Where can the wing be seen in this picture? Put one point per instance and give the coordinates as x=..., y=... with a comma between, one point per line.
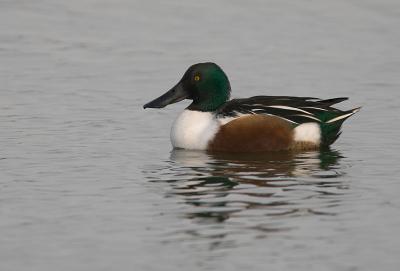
x=296, y=110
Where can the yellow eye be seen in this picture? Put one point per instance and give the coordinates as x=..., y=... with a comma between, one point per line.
x=197, y=78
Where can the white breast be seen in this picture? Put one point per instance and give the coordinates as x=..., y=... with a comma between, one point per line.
x=193, y=130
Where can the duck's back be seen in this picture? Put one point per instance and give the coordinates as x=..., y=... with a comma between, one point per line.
x=268, y=123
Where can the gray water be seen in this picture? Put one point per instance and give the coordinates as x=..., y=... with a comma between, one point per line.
x=89, y=180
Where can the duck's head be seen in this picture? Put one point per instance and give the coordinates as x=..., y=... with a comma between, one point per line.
x=204, y=83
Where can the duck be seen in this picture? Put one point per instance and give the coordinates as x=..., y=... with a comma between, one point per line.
x=214, y=122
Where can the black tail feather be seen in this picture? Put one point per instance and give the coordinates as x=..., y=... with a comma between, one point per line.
x=331, y=129
x=333, y=101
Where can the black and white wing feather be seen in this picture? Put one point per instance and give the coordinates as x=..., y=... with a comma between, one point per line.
x=296, y=110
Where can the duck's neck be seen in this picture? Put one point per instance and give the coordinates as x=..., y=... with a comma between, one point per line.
x=211, y=99
x=210, y=105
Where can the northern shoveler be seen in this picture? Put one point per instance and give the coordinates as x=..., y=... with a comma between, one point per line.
x=262, y=123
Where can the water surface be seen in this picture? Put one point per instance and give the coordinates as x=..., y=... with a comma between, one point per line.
x=89, y=180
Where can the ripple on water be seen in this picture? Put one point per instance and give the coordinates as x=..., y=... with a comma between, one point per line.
x=225, y=194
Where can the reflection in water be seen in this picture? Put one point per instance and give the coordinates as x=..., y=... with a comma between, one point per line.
x=252, y=191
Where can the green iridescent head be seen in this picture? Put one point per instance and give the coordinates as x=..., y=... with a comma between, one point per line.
x=204, y=83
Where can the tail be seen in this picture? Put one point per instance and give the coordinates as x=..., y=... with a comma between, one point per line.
x=344, y=116
x=330, y=102
x=330, y=129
